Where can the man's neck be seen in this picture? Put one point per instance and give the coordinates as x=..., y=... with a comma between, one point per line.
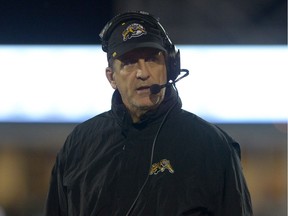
x=137, y=114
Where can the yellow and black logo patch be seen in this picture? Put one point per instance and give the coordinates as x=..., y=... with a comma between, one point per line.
x=133, y=30
x=161, y=167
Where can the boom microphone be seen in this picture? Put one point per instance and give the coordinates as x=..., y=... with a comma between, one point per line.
x=156, y=88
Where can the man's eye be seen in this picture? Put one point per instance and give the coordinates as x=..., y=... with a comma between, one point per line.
x=129, y=62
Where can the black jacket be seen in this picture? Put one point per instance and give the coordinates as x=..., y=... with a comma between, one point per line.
x=105, y=166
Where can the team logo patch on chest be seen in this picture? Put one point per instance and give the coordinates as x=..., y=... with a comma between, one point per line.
x=161, y=167
x=133, y=30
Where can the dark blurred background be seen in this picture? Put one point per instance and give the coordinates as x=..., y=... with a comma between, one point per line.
x=187, y=21
x=28, y=150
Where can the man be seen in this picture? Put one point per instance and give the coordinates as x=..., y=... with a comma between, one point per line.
x=146, y=156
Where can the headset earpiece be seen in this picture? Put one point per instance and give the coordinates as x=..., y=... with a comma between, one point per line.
x=173, y=63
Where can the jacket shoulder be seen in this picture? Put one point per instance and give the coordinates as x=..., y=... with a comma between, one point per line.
x=208, y=131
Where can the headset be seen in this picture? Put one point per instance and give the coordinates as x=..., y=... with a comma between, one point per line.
x=173, y=55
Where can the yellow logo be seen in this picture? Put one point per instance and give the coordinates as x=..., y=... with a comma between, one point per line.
x=133, y=30
x=161, y=167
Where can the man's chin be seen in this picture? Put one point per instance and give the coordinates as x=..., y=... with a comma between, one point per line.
x=151, y=100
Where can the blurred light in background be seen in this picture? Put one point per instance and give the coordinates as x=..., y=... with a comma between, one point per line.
x=67, y=83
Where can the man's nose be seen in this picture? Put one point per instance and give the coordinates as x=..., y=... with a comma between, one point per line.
x=142, y=70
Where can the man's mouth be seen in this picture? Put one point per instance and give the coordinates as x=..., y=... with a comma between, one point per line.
x=143, y=89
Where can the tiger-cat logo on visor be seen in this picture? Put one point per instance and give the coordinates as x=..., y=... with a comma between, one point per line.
x=132, y=31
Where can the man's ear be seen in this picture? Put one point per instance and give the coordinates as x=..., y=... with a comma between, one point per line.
x=110, y=77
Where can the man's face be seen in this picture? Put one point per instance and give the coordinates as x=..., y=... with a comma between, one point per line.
x=134, y=73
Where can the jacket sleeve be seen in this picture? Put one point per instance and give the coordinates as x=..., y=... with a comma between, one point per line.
x=56, y=203
x=235, y=197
